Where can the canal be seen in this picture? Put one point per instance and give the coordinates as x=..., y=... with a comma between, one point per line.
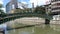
x=37, y=29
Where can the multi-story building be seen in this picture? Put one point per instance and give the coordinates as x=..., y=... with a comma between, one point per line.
x=48, y=8
x=55, y=9
x=8, y=7
x=55, y=6
x=13, y=4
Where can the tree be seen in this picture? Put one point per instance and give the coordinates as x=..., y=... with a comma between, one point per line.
x=18, y=10
x=2, y=14
x=1, y=11
x=21, y=11
x=40, y=10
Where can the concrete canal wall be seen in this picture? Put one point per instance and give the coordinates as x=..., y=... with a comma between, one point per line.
x=55, y=22
x=25, y=21
x=29, y=21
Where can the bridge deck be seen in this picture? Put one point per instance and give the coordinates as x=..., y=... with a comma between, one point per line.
x=15, y=16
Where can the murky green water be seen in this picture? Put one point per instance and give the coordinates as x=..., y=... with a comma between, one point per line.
x=40, y=29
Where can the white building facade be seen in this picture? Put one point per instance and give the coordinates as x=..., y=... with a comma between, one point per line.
x=55, y=9
x=55, y=6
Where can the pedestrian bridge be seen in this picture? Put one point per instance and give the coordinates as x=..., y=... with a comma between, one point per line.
x=8, y=17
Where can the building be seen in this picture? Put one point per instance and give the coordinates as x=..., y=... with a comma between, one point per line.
x=8, y=7
x=55, y=9
x=14, y=4
x=11, y=5
x=22, y=5
x=47, y=8
x=55, y=6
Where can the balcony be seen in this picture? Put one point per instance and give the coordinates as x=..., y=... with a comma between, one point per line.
x=55, y=2
x=56, y=10
x=55, y=6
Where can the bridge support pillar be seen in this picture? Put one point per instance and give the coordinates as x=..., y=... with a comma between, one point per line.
x=47, y=21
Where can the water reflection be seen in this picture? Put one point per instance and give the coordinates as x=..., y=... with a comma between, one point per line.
x=39, y=29
x=55, y=27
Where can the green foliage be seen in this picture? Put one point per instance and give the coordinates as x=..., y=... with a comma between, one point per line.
x=40, y=10
x=22, y=11
x=0, y=5
x=1, y=11
x=18, y=10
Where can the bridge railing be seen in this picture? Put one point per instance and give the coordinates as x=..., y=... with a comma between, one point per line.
x=8, y=17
